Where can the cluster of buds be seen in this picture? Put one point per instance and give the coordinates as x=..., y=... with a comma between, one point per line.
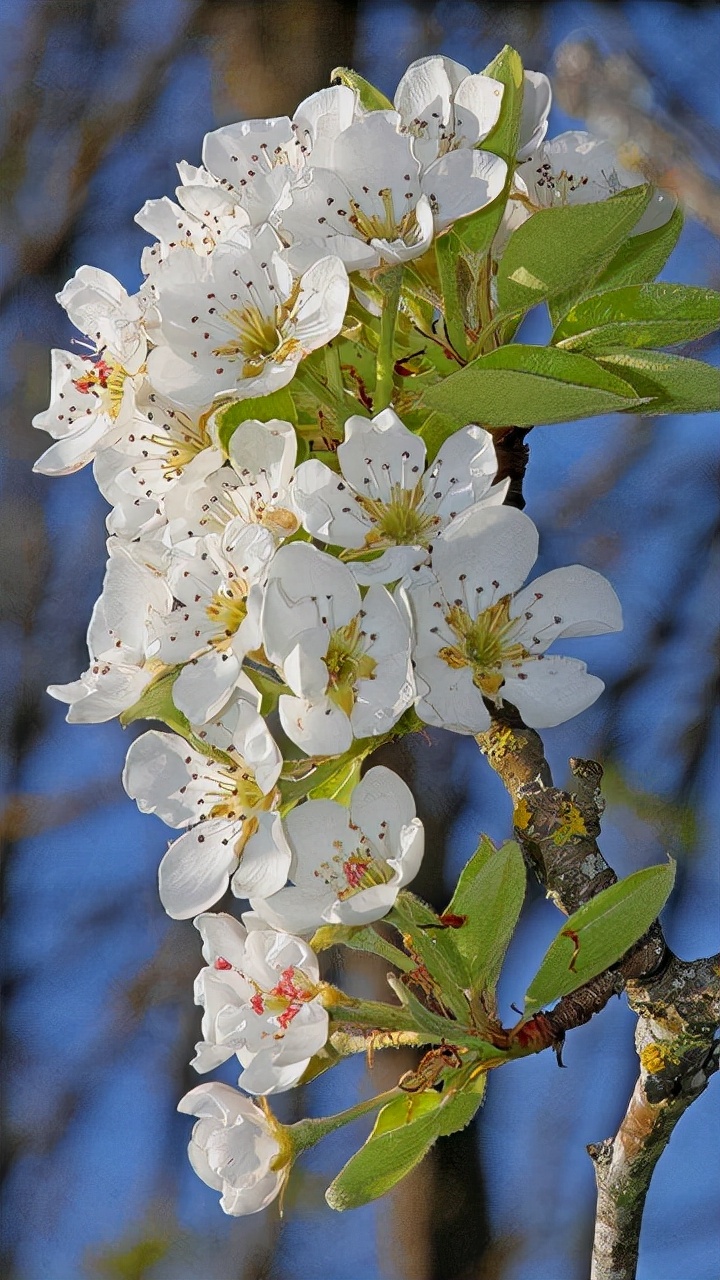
x=294, y=576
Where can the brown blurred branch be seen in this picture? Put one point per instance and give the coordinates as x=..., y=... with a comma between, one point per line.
x=605, y=93
x=677, y=1002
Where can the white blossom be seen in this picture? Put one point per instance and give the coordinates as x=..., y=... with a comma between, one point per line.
x=479, y=636
x=215, y=622
x=373, y=202
x=384, y=501
x=346, y=659
x=91, y=397
x=578, y=168
x=235, y=1148
x=348, y=865
x=256, y=485
x=262, y=1001
x=239, y=321
x=443, y=107
x=161, y=445
x=118, y=638
x=233, y=832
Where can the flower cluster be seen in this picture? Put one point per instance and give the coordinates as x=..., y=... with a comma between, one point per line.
x=294, y=574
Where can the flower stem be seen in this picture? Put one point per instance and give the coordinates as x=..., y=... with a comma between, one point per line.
x=306, y=1133
x=391, y=283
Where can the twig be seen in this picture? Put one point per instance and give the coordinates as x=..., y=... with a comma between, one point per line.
x=678, y=1003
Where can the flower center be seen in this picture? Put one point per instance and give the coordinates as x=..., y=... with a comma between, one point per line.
x=399, y=521
x=347, y=662
x=285, y=1000
x=260, y=337
x=238, y=795
x=181, y=441
x=560, y=186
x=349, y=871
x=484, y=643
x=385, y=226
x=228, y=609
x=103, y=376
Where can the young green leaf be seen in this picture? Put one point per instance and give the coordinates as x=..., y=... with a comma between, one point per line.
x=675, y=384
x=641, y=315
x=433, y=946
x=503, y=139
x=278, y=404
x=489, y=895
x=525, y=386
x=599, y=933
x=638, y=260
x=370, y=97
x=559, y=249
x=391, y=1153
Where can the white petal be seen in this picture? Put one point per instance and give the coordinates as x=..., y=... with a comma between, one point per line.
x=205, y=684
x=486, y=553
x=156, y=776
x=318, y=728
x=223, y=936
x=477, y=103
x=380, y=453
x=461, y=182
x=572, y=601
x=265, y=860
x=321, y=304
x=555, y=690
x=76, y=450
x=452, y=701
x=537, y=99
x=195, y=871
x=382, y=803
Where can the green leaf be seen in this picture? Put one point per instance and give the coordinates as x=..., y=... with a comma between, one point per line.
x=490, y=895
x=370, y=97
x=599, y=934
x=525, y=386
x=390, y=1154
x=502, y=141
x=404, y=1110
x=558, y=249
x=641, y=315
x=676, y=385
x=433, y=946
x=642, y=257
x=279, y=404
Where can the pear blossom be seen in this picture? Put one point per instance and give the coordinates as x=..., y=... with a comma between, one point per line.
x=578, y=168
x=373, y=202
x=479, y=635
x=256, y=485
x=161, y=445
x=215, y=583
x=239, y=321
x=91, y=397
x=385, y=501
x=348, y=865
x=262, y=1001
x=345, y=658
x=118, y=638
x=227, y=805
x=443, y=106
x=235, y=1148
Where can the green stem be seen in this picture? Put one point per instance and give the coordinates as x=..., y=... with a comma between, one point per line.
x=374, y=1014
x=323, y=391
x=391, y=285
x=372, y=942
x=306, y=1133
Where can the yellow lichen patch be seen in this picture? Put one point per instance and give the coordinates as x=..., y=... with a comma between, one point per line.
x=571, y=823
x=522, y=816
x=652, y=1058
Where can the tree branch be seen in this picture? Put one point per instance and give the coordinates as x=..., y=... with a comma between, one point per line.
x=677, y=1002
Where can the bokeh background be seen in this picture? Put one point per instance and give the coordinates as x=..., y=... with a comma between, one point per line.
x=99, y=100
